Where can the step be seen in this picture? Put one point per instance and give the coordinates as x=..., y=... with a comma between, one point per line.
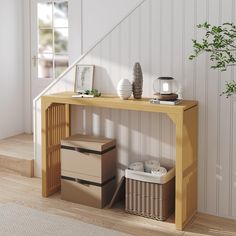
x=17, y=154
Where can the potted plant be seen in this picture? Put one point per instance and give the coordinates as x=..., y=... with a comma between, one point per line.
x=220, y=43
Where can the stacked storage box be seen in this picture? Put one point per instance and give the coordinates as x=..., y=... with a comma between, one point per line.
x=88, y=170
x=148, y=195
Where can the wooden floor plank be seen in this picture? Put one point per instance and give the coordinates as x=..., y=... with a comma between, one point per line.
x=27, y=191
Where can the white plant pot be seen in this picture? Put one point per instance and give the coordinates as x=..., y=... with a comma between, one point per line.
x=124, y=89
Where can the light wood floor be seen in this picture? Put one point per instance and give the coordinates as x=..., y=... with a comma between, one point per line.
x=27, y=191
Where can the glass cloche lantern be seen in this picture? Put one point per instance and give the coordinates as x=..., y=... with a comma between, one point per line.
x=164, y=85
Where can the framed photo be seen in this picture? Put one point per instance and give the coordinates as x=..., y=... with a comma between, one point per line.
x=84, y=78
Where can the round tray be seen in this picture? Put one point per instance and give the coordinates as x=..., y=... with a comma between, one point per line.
x=166, y=97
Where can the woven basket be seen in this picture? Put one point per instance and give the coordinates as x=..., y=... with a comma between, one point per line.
x=148, y=198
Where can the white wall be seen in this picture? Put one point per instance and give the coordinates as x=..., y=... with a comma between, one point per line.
x=98, y=17
x=11, y=69
x=158, y=35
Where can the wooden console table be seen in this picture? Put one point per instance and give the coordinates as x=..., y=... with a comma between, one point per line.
x=56, y=126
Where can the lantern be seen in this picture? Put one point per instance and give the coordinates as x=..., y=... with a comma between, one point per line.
x=164, y=85
x=165, y=89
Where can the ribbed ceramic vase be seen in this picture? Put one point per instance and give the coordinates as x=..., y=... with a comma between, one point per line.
x=137, y=84
x=124, y=89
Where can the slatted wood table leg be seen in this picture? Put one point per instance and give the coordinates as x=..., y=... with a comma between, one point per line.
x=55, y=126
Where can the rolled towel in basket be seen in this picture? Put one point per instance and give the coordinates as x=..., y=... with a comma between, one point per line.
x=138, y=166
x=151, y=165
x=160, y=172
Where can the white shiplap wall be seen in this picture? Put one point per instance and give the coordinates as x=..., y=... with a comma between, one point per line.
x=158, y=34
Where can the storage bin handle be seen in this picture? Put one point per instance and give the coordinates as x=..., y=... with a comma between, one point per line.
x=80, y=181
x=84, y=150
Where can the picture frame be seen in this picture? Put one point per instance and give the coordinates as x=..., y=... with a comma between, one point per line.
x=84, y=76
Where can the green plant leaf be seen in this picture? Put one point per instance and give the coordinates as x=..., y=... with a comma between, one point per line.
x=219, y=42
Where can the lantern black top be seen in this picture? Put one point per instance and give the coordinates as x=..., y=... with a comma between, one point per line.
x=165, y=78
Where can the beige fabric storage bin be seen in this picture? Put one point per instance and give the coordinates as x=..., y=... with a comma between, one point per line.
x=83, y=192
x=150, y=196
x=88, y=169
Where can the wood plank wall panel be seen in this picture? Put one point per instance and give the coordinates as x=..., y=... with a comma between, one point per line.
x=232, y=136
x=233, y=186
x=200, y=96
x=212, y=137
x=158, y=35
x=225, y=168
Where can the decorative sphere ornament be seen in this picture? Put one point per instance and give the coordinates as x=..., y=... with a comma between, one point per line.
x=124, y=89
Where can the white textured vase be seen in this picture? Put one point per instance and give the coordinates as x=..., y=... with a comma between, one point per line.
x=124, y=89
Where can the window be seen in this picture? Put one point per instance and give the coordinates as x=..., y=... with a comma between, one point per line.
x=52, y=38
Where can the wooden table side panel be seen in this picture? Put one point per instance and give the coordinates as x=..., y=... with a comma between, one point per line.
x=44, y=130
x=189, y=162
x=55, y=126
x=178, y=120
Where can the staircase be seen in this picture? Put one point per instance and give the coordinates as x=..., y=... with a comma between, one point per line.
x=17, y=154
